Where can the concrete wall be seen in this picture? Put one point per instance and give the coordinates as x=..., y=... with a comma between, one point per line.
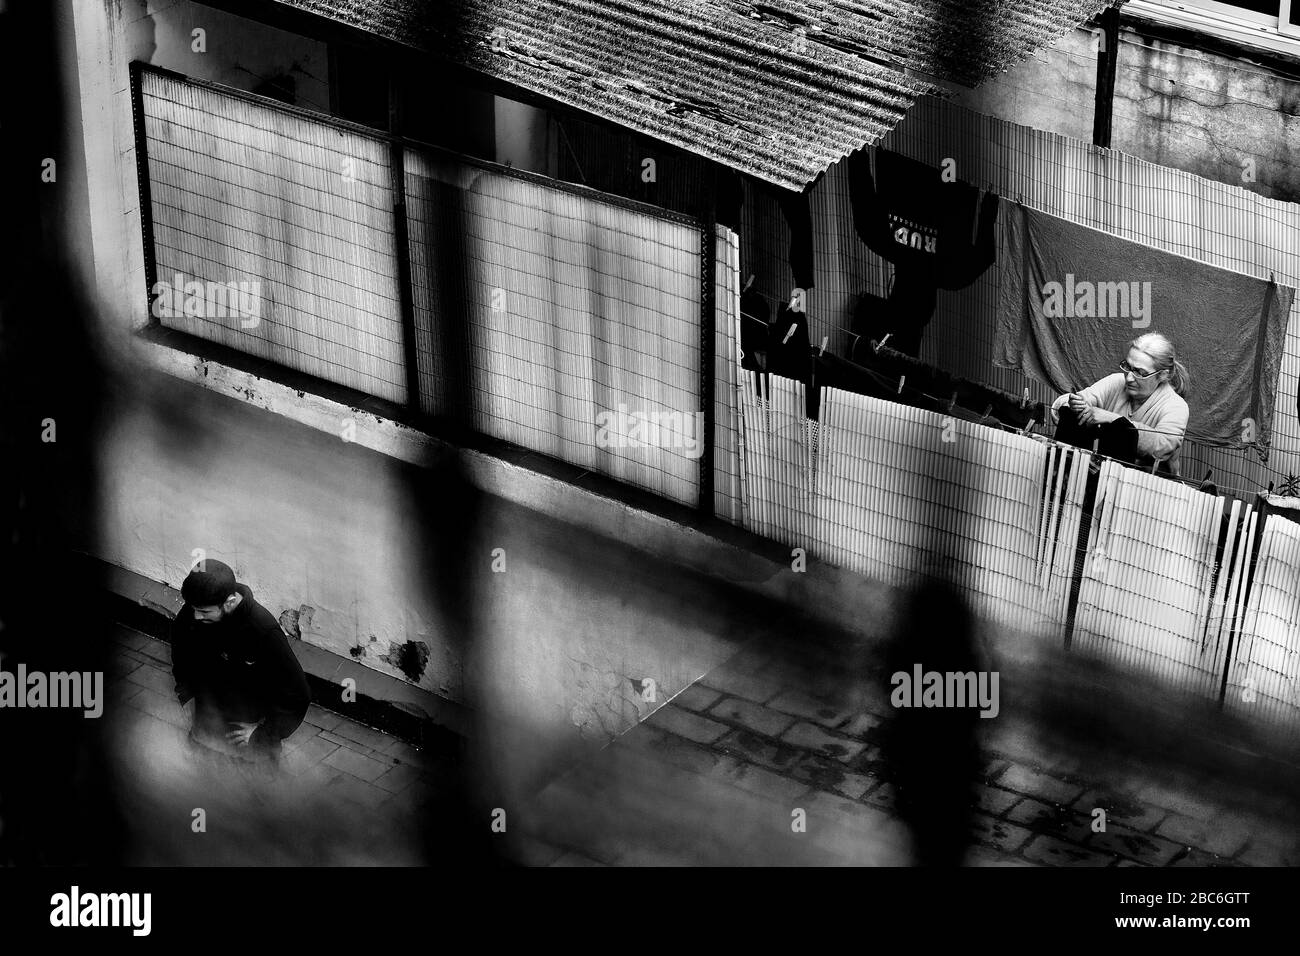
x=1195, y=108
x=237, y=52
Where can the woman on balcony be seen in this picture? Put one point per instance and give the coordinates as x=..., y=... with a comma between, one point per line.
x=1145, y=396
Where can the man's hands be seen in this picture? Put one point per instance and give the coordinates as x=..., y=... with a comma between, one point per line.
x=244, y=732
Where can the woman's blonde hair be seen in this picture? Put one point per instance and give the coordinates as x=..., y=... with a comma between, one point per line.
x=1162, y=354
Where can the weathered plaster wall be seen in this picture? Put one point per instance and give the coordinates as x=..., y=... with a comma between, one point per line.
x=1205, y=112
x=237, y=52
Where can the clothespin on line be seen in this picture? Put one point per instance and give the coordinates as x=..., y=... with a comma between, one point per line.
x=952, y=402
x=748, y=283
x=1024, y=399
x=793, y=326
x=822, y=350
x=881, y=344
x=901, y=380
x=987, y=411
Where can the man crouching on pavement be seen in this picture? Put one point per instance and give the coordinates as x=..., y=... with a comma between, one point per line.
x=230, y=656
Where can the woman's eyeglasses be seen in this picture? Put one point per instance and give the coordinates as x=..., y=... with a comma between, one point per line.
x=1125, y=367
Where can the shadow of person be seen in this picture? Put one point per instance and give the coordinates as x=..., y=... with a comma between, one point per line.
x=932, y=753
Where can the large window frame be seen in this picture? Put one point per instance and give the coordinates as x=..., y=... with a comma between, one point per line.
x=1226, y=19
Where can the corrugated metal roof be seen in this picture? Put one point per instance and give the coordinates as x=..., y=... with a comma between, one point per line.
x=778, y=89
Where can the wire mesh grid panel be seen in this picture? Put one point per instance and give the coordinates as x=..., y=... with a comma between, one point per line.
x=726, y=368
x=777, y=452
x=1060, y=519
x=901, y=492
x=279, y=231
x=894, y=492
x=1144, y=595
x=558, y=321
x=1264, y=677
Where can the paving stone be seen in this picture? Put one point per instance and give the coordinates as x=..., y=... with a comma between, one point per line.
x=401, y=750
x=697, y=698
x=1143, y=847
x=1269, y=850
x=1015, y=743
x=322, y=718
x=750, y=680
x=164, y=708
x=759, y=780
x=683, y=723
x=827, y=806
x=824, y=712
x=366, y=736
x=1050, y=818
x=1001, y=835
x=824, y=773
x=1039, y=785
x=862, y=727
x=776, y=756
x=670, y=748
x=157, y=651
x=1221, y=837
x=1050, y=851
x=304, y=733
x=884, y=796
x=130, y=638
x=1201, y=859
x=980, y=854
x=119, y=666
x=811, y=737
x=155, y=678
x=121, y=691
x=1170, y=798
x=576, y=859
x=398, y=778
x=359, y=765
x=355, y=790
x=995, y=801
x=413, y=801
x=315, y=749
x=871, y=761
x=751, y=716
x=1119, y=809
x=993, y=767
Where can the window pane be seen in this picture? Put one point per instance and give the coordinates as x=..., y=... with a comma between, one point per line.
x=1270, y=7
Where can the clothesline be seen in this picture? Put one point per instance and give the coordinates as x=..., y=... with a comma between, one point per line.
x=1243, y=493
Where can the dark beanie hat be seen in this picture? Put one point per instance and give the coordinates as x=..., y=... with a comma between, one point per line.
x=210, y=586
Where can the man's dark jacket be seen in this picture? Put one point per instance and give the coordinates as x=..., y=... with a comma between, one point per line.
x=241, y=667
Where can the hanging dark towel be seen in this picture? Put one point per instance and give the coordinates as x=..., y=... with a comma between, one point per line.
x=831, y=371
x=787, y=344
x=755, y=316
x=1116, y=439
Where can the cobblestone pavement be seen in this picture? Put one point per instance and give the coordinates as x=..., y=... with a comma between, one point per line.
x=345, y=794
x=717, y=775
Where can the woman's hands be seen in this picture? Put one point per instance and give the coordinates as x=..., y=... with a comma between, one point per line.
x=1090, y=414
